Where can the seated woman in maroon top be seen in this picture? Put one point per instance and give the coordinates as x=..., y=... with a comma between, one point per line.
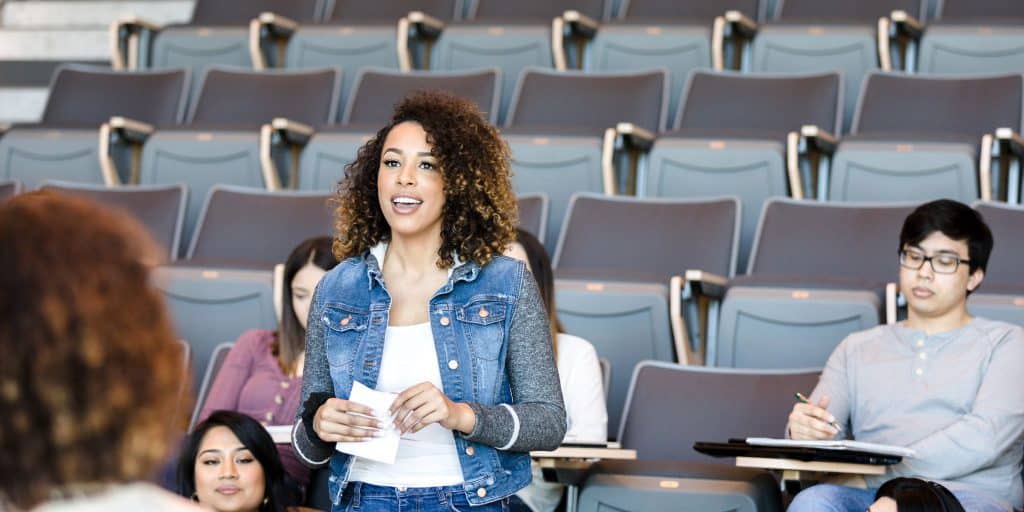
x=262, y=374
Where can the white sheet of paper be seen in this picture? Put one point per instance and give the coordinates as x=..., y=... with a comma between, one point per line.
x=281, y=434
x=382, y=449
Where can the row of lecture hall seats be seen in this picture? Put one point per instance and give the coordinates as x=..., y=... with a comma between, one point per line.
x=819, y=271
x=953, y=36
x=913, y=138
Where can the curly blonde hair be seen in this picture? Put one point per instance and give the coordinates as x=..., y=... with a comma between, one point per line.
x=479, y=216
x=90, y=371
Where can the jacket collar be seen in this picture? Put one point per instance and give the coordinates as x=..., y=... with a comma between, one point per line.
x=460, y=271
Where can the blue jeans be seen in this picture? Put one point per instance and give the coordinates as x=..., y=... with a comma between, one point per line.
x=361, y=497
x=837, y=498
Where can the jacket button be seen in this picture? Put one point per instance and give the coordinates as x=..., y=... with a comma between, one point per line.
x=483, y=313
x=453, y=364
x=470, y=451
x=481, y=492
x=278, y=400
x=346, y=320
x=445, y=321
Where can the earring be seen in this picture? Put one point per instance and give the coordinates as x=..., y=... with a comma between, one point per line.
x=195, y=497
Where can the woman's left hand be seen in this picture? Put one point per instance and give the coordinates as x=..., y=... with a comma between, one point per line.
x=423, y=404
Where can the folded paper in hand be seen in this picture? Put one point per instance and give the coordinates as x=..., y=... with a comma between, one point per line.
x=856, y=446
x=381, y=449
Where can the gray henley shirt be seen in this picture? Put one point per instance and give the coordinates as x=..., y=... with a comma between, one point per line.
x=956, y=398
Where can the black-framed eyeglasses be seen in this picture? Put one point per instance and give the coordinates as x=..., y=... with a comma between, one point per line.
x=942, y=263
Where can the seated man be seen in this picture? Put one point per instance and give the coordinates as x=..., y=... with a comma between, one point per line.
x=943, y=383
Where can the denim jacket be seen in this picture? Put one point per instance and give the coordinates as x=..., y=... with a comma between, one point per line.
x=494, y=348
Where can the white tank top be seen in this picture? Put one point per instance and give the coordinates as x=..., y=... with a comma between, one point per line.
x=427, y=458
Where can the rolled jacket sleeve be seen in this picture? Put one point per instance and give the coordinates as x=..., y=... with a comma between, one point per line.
x=317, y=388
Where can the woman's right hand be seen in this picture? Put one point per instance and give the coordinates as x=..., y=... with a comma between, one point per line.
x=812, y=421
x=337, y=421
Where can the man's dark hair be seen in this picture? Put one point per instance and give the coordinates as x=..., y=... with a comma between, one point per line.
x=916, y=495
x=955, y=220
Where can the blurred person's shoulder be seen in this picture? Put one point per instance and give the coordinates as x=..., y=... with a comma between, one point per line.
x=123, y=498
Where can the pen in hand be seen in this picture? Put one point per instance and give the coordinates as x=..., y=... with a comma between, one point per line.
x=803, y=399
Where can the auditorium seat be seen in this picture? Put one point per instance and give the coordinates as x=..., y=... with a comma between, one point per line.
x=614, y=270
x=358, y=34
x=918, y=138
x=370, y=107
x=217, y=35
x=514, y=36
x=9, y=189
x=159, y=208
x=671, y=407
x=813, y=36
x=731, y=137
x=818, y=272
x=210, y=305
x=974, y=37
x=650, y=34
x=221, y=142
x=564, y=131
x=63, y=145
x=213, y=366
x=533, y=213
x=1001, y=295
x=256, y=226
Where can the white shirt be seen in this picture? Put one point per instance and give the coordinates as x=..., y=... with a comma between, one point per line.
x=585, y=411
x=427, y=458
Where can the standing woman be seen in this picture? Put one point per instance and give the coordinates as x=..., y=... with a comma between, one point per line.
x=424, y=305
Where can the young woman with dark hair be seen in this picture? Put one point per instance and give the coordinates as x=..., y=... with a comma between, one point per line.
x=579, y=372
x=262, y=374
x=229, y=464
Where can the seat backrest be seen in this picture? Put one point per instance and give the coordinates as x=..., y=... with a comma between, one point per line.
x=250, y=98
x=647, y=240
x=762, y=103
x=9, y=189
x=540, y=11
x=159, y=208
x=670, y=407
x=893, y=103
x=533, y=213
x=980, y=9
x=213, y=366
x=689, y=10
x=390, y=11
x=565, y=99
x=234, y=12
x=256, y=226
x=90, y=96
x=1007, y=225
x=860, y=12
x=828, y=240
x=377, y=91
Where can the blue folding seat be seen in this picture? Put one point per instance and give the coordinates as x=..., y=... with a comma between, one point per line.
x=671, y=407
x=649, y=34
x=63, y=145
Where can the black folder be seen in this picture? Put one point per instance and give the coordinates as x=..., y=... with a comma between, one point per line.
x=740, y=448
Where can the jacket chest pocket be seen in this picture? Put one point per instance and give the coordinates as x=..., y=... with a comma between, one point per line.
x=483, y=323
x=344, y=329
